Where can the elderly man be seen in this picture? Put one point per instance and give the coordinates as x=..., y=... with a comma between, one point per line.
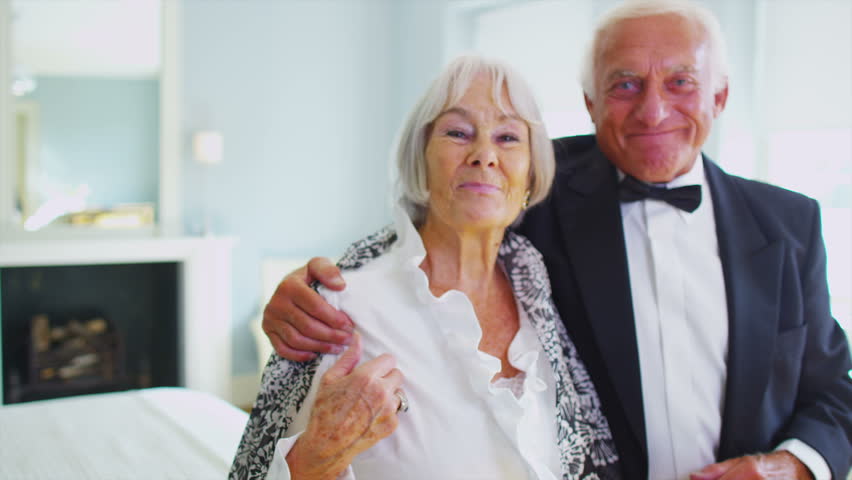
x=698, y=300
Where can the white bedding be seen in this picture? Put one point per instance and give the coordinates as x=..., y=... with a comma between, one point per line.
x=158, y=433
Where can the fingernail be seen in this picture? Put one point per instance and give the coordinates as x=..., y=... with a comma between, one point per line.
x=337, y=282
x=336, y=349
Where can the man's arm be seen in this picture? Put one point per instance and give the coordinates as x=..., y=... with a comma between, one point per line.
x=822, y=418
x=299, y=322
x=776, y=465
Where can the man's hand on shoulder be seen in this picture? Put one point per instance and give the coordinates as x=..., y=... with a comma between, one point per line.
x=776, y=465
x=298, y=320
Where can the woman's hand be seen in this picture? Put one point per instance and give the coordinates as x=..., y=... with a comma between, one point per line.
x=355, y=408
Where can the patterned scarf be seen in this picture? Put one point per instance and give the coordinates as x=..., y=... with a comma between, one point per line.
x=587, y=451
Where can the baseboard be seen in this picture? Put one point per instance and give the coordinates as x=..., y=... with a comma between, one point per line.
x=244, y=390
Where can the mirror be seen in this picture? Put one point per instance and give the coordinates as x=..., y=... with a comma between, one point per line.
x=87, y=85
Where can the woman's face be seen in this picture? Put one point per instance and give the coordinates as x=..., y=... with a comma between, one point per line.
x=478, y=161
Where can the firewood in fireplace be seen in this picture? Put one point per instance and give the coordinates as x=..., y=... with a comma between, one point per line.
x=41, y=333
x=80, y=365
x=96, y=326
x=79, y=351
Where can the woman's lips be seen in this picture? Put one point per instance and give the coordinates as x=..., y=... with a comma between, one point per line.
x=479, y=187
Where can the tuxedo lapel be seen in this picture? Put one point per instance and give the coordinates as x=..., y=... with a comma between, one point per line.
x=589, y=217
x=751, y=264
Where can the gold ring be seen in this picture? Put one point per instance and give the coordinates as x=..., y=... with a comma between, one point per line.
x=403, y=402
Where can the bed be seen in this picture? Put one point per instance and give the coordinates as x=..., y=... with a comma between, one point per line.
x=162, y=433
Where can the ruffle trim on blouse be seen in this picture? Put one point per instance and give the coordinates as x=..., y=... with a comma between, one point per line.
x=455, y=317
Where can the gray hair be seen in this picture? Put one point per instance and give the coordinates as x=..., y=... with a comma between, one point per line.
x=687, y=9
x=444, y=93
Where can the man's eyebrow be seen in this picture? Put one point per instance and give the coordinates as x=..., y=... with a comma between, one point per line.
x=621, y=74
x=682, y=68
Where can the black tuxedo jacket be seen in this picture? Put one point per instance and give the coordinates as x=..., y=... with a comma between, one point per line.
x=788, y=359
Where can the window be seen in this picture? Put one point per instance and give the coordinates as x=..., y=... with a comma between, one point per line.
x=544, y=40
x=789, y=115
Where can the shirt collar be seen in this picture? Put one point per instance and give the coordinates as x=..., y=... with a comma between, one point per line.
x=695, y=176
x=410, y=245
x=524, y=349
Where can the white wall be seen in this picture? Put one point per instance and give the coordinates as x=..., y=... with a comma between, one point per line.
x=300, y=92
x=309, y=96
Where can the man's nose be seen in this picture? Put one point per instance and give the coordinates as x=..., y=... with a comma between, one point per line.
x=484, y=153
x=653, y=107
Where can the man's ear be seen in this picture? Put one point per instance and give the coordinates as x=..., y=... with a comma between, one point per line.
x=590, y=107
x=720, y=98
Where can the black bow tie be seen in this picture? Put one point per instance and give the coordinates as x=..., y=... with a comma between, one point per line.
x=685, y=198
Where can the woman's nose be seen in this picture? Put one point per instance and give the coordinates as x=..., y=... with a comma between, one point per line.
x=484, y=154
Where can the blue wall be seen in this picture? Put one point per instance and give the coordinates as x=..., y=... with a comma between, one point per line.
x=103, y=132
x=308, y=97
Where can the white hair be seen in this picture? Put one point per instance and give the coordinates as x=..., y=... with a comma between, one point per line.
x=444, y=93
x=630, y=9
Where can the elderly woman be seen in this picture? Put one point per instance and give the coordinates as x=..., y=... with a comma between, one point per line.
x=456, y=303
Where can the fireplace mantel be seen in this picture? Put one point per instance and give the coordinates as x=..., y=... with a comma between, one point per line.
x=205, y=291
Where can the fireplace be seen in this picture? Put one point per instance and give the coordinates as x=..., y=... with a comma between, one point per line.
x=77, y=329
x=158, y=308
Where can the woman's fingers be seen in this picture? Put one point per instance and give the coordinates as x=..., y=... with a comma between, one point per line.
x=384, y=380
x=378, y=367
x=356, y=405
x=394, y=379
x=346, y=363
x=393, y=382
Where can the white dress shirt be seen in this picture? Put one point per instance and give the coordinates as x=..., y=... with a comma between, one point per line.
x=460, y=424
x=681, y=315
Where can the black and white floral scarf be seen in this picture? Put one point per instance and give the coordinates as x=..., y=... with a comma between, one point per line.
x=585, y=442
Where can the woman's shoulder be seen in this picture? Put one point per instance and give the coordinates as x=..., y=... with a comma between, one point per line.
x=517, y=249
x=367, y=249
x=369, y=269
x=524, y=265
x=373, y=265
x=513, y=240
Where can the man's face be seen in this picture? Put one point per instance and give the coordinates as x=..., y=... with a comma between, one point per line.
x=654, y=103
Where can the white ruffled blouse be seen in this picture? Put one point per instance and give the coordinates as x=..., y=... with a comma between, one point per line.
x=460, y=424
